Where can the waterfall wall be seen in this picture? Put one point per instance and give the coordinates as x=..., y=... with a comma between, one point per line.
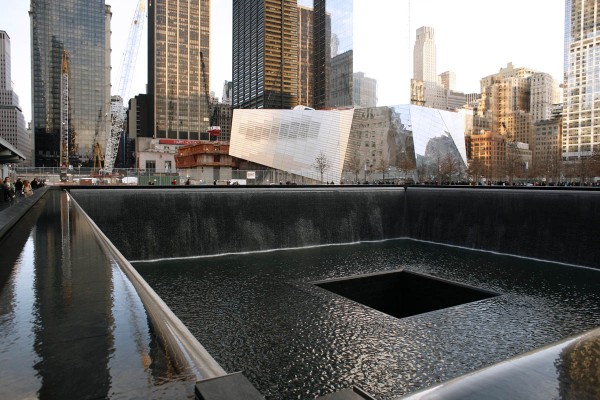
x=558, y=225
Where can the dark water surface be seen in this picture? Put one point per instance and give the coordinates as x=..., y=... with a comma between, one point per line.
x=261, y=314
x=71, y=324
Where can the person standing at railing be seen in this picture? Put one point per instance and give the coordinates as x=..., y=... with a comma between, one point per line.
x=9, y=189
x=19, y=187
x=27, y=191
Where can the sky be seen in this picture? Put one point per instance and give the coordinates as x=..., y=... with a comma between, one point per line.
x=473, y=38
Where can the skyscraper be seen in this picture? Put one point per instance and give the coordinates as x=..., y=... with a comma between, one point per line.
x=12, y=121
x=179, y=67
x=426, y=87
x=82, y=30
x=333, y=53
x=424, y=55
x=581, y=112
x=265, y=53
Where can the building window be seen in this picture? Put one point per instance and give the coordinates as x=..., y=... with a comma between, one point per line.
x=151, y=165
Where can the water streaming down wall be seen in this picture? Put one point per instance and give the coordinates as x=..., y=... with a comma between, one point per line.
x=557, y=225
x=166, y=223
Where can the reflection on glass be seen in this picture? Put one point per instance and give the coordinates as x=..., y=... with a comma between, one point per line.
x=81, y=28
x=405, y=143
x=399, y=144
x=333, y=48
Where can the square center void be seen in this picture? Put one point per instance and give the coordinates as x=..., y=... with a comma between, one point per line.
x=403, y=294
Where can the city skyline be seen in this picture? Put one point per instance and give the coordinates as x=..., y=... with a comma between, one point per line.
x=513, y=33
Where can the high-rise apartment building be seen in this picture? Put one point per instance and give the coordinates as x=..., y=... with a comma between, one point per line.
x=333, y=53
x=545, y=95
x=512, y=110
x=506, y=102
x=581, y=112
x=265, y=53
x=179, y=68
x=12, y=121
x=82, y=30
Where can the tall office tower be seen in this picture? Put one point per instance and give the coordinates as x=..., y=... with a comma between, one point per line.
x=365, y=90
x=265, y=54
x=424, y=61
x=545, y=95
x=12, y=121
x=81, y=31
x=333, y=53
x=427, y=88
x=306, y=70
x=179, y=68
x=581, y=112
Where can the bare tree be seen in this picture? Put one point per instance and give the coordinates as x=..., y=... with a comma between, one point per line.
x=476, y=169
x=321, y=164
x=354, y=164
x=585, y=168
x=383, y=165
x=549, y=168
x=514, y=162
x=449, y=166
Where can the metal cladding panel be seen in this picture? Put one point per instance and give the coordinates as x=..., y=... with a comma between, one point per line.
x=291, y=140
x=373, y=143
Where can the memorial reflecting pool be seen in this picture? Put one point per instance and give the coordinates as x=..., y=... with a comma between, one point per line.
x=264, y=314
x=71, y=324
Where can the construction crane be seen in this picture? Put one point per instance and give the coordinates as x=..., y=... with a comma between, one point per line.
x=64, y=117
x=213, y=130
x=117, y=110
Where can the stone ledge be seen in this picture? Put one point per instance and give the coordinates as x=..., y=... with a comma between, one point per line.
x=229, y=387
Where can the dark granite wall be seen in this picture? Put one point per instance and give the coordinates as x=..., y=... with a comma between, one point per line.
x=166, y=223
x=558, y=225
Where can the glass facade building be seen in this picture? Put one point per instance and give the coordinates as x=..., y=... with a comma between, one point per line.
x=265, y=54
x=399, y=143
x=333, y=53
x=179, y=68
x=290, y=52
x=581, y=113
x=82, y=29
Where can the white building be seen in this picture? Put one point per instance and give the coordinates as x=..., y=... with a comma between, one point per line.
x=12, y=121
x=427, y=88
x=545, y=94
x=581, y=112
x=424, y=56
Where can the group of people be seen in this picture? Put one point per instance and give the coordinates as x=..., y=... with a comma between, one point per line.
x=18, y=188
